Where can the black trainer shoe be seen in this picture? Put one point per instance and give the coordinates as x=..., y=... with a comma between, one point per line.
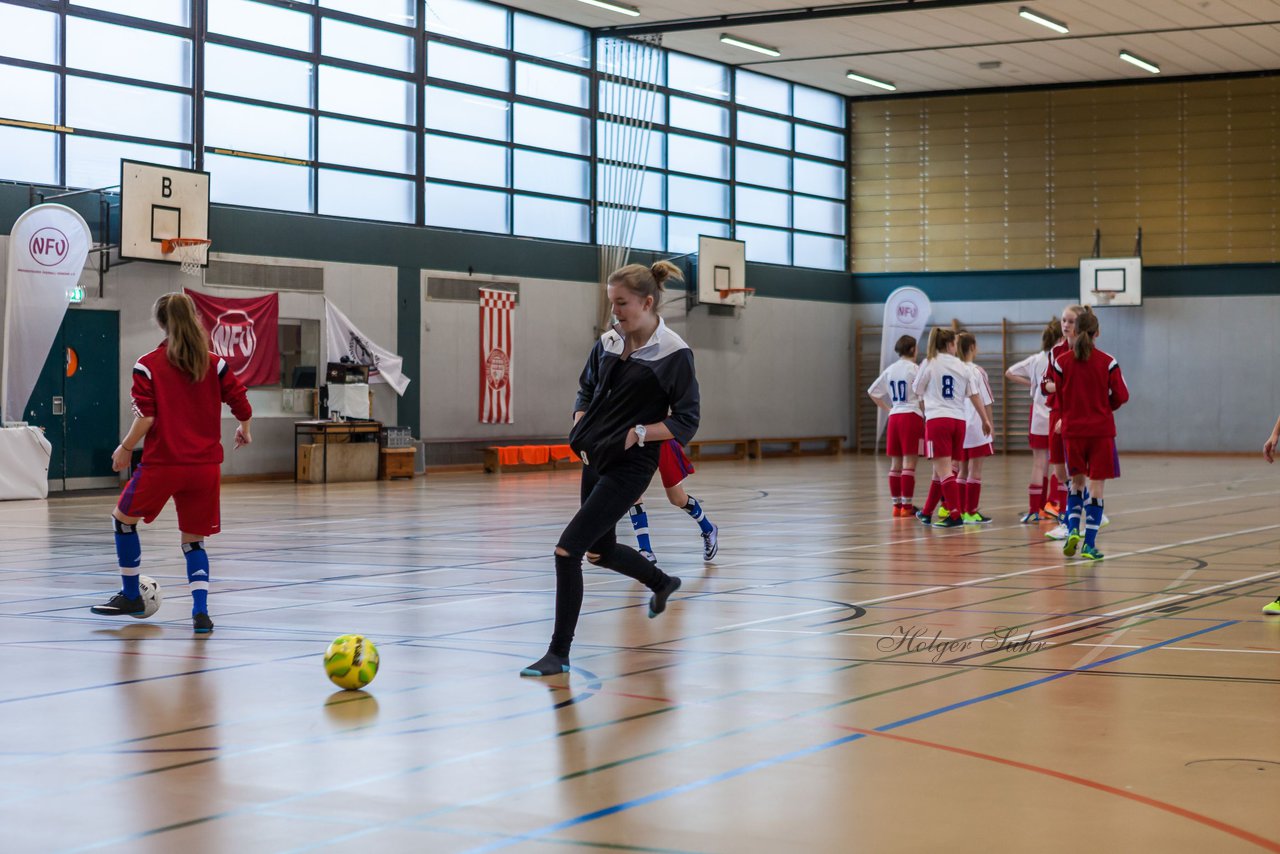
x=120, y=605
x=201, y=623
x=549, y=665
x=658, y=602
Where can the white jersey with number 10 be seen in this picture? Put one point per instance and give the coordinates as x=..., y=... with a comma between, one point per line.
x=897, y=385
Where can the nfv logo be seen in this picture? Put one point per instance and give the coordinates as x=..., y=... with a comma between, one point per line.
x=48, y=247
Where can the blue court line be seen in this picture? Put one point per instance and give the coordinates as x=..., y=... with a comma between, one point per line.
x=817, y=748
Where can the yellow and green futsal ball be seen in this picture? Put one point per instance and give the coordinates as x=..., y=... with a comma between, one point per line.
x=351, y=662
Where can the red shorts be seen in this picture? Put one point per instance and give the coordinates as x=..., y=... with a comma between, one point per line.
x=1057, y=448
x=1093, y=456
x=1038, y=442
x=944, y=437
x=673, y=465
x=904, y=437
x=193, y=488
x=979, y=452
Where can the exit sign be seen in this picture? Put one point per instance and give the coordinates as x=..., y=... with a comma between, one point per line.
x=77, y=295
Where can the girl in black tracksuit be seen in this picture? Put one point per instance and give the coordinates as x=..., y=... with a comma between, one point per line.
x=637, y=390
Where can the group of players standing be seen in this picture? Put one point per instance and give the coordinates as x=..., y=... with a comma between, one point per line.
x=942, y=410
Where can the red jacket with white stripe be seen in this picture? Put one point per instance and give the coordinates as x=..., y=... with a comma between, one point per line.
x=1088, y=392
x=188, y=415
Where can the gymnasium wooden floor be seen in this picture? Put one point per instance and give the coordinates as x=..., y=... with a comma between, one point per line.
x=1132, y=706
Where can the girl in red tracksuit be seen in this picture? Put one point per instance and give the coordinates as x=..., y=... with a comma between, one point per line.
x=1089, y=388
x=178, y=392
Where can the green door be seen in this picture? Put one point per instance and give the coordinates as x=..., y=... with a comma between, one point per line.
x=77, y=400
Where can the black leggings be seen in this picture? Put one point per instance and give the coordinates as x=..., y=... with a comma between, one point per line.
x=605, y=499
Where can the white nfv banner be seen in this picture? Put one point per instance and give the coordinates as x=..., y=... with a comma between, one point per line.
x=344, y=339
x=47, y=251
x=906, y=312
x=497, y=356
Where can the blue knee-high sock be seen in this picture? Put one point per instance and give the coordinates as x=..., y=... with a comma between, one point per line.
x=1093, y=521
x=1075, y=509
x=197, y=576
x=694, y=509
x=640, y=521
x=129, y=556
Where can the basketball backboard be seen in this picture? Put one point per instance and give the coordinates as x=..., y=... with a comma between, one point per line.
x=1110, y=281
x=722, y=271
x=160, y=202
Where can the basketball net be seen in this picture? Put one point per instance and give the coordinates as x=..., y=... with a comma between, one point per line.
x=192, y=253
x=630, y=69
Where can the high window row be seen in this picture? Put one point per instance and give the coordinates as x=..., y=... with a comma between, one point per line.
x=458, y=114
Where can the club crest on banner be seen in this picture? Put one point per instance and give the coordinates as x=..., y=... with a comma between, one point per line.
x=233, y=335
x=48, y=247
x=497, y=365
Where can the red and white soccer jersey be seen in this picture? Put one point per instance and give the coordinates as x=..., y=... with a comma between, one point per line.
x=1090, y=392
x=943, y=383
x=188, y=415
x=973, y=435
x=1032, y=369
x=897, y=384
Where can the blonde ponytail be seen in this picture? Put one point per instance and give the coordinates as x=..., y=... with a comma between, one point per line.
x=188, y=346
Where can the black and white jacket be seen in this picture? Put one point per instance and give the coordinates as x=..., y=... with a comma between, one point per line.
x=655, y=383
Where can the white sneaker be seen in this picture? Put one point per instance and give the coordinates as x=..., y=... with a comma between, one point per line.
x=648, y=555
x=1058, y=533
x=1105, y=521
x=710, y=544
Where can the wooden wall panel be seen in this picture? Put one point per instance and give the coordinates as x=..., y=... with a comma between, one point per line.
x=1022, y=179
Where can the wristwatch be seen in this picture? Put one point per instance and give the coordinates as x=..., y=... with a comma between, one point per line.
x=640, y=435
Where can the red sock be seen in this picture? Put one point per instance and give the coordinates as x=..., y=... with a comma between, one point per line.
x=908, y=487
x=1051, y=494
x=975, y=490
x=1035, y=497
x=951, y=491
x=1062, y=498
x=1044, y=490
x=895, y=485
x=935, y=493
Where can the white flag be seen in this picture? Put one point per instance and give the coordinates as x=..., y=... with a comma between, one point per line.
x=345, y=340
x=47, y=251
x=906, y=312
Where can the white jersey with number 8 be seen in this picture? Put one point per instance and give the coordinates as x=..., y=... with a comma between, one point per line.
x=943, y=383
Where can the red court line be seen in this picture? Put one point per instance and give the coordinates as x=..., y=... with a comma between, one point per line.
x=1240, y=833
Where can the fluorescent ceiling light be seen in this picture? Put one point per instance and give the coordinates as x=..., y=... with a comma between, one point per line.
x=871, y=81
x=1042, y=20
x=743, y=43
x=1145, y=65
x=621, y=8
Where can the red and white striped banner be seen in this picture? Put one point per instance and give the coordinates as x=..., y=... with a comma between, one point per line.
x=497, y=363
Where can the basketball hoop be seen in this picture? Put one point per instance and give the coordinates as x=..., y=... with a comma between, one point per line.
x=747, y=293
x=1103, y=297
x=192, y=252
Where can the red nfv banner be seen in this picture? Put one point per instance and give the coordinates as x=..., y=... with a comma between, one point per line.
x=244, y=332
x=497, y=364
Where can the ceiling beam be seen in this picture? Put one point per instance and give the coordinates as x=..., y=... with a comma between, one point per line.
x=780, y=16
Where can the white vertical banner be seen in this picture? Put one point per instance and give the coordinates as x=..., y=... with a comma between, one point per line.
x=906, y=312
x=47, y=250
x=497, y=362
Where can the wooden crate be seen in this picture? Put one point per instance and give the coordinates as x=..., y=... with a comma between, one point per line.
x=347, y=461
x=395, y=462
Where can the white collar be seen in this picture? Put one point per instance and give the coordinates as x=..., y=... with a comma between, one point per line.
x=615, y=343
